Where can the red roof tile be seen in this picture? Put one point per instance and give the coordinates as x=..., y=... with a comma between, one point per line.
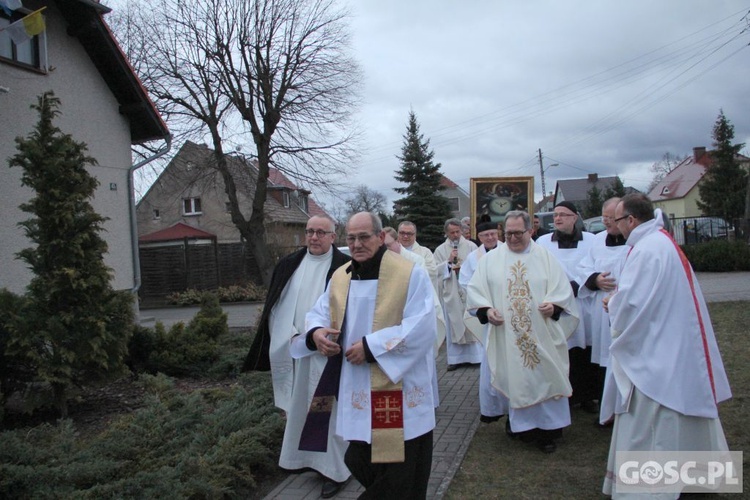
x=176, y=232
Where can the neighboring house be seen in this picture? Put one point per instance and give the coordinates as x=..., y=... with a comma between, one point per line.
x=458, y=199
x=102, y=104
x=576, y=191
x=677, y=194
x=547, y=204
x=190, y=193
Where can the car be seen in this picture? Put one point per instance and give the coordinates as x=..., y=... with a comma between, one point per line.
x=345, y=251
x=594, y=225
x=710, y=228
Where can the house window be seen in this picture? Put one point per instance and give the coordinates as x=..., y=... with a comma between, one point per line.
x=227, y=206
x=453, y=203
x=191, y=206
x=303, y=203
x=31, y=54
x=285, y=198
x=665, y=190
x=156, y=214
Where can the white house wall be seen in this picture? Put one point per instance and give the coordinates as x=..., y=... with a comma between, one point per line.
x=89, y=112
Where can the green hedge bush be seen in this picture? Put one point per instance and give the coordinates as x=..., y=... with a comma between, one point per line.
x=181, y=350
x=718, y=256
x=235, y=293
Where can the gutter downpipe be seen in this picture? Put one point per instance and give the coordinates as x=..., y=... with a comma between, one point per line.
x=133, y=221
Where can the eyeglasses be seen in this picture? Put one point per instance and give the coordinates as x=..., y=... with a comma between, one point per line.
x=363, y=238
x=560, y=214
x=406, y=233
x=514, y=234
x=317, y=232
x=623, y=217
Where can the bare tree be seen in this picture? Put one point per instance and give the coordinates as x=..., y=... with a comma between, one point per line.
x=662, y=167
x=277, y=72
x=365, y=199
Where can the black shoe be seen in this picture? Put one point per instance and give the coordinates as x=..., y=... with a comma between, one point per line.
x=590, y=406
x=488, y=420
x=547, y=446
x=330, y=488
x=605, y=425
x=452, y=368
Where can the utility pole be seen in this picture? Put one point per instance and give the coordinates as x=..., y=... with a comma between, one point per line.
x=541, y=169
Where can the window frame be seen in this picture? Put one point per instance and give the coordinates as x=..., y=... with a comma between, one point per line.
x=195, y=206
x=38, y=45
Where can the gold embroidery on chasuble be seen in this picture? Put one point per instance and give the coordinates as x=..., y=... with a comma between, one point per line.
x=519, y=296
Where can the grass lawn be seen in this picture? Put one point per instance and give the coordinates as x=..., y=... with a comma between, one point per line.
x=499, y=467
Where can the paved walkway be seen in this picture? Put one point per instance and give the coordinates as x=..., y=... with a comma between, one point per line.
x=458, y=414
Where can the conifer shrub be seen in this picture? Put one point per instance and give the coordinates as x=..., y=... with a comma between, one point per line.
x=214, y=443
x=72, y=328
x=182, y=350
x=718, y=256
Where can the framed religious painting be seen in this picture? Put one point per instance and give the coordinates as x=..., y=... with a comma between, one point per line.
x=496, y=196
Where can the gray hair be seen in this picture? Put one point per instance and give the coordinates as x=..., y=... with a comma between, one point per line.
x=515, y=214
x=326, y=217
x=451, y=222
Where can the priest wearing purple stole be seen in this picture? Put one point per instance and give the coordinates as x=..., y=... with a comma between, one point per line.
x=376, y=325
x=298, y=280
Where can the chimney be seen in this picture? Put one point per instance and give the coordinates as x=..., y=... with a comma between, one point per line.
x=698, y=152
x=593, y=178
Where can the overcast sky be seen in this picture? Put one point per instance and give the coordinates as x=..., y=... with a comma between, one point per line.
x=600, y=86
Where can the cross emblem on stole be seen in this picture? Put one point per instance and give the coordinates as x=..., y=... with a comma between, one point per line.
x=387, y=409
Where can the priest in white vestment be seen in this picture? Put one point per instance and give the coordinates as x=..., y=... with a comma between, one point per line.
x=462, y=346
x=599, y=272
x=297, y=282
x=492, y=404
x=407, y=236
x=386, y=305
x=668, y=374
x=570, y=244
x=523, y=292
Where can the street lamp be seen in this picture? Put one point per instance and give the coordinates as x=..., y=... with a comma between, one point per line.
x=544, y=191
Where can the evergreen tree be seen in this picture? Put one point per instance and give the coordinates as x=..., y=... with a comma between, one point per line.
x=616, y=189
x=422, y=204
x=722, y=189
x=593, y=203
x=73, y=328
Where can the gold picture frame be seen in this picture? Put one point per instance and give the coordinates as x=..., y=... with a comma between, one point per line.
x=496, y=196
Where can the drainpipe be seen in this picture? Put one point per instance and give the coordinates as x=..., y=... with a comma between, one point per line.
x=133, y=220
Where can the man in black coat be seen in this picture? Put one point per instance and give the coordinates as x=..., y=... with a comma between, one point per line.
x=297, y=282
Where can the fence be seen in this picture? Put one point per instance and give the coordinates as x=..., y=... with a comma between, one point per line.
x=177, y=267
x=692, y=230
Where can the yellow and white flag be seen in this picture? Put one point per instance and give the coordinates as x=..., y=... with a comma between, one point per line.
x=25, y=29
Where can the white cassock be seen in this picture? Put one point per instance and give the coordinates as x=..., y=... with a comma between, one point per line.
x=570, y=259
x=462, y=345
x=664, y=360
x=599, y=259
x=403, y=352
x=440, y=329
x=527, y=354
x=286, y=320
x=491, y=402
x=429, y=262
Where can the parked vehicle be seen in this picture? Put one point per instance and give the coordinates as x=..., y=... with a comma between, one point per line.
x=594, y=225
x=706, y=229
